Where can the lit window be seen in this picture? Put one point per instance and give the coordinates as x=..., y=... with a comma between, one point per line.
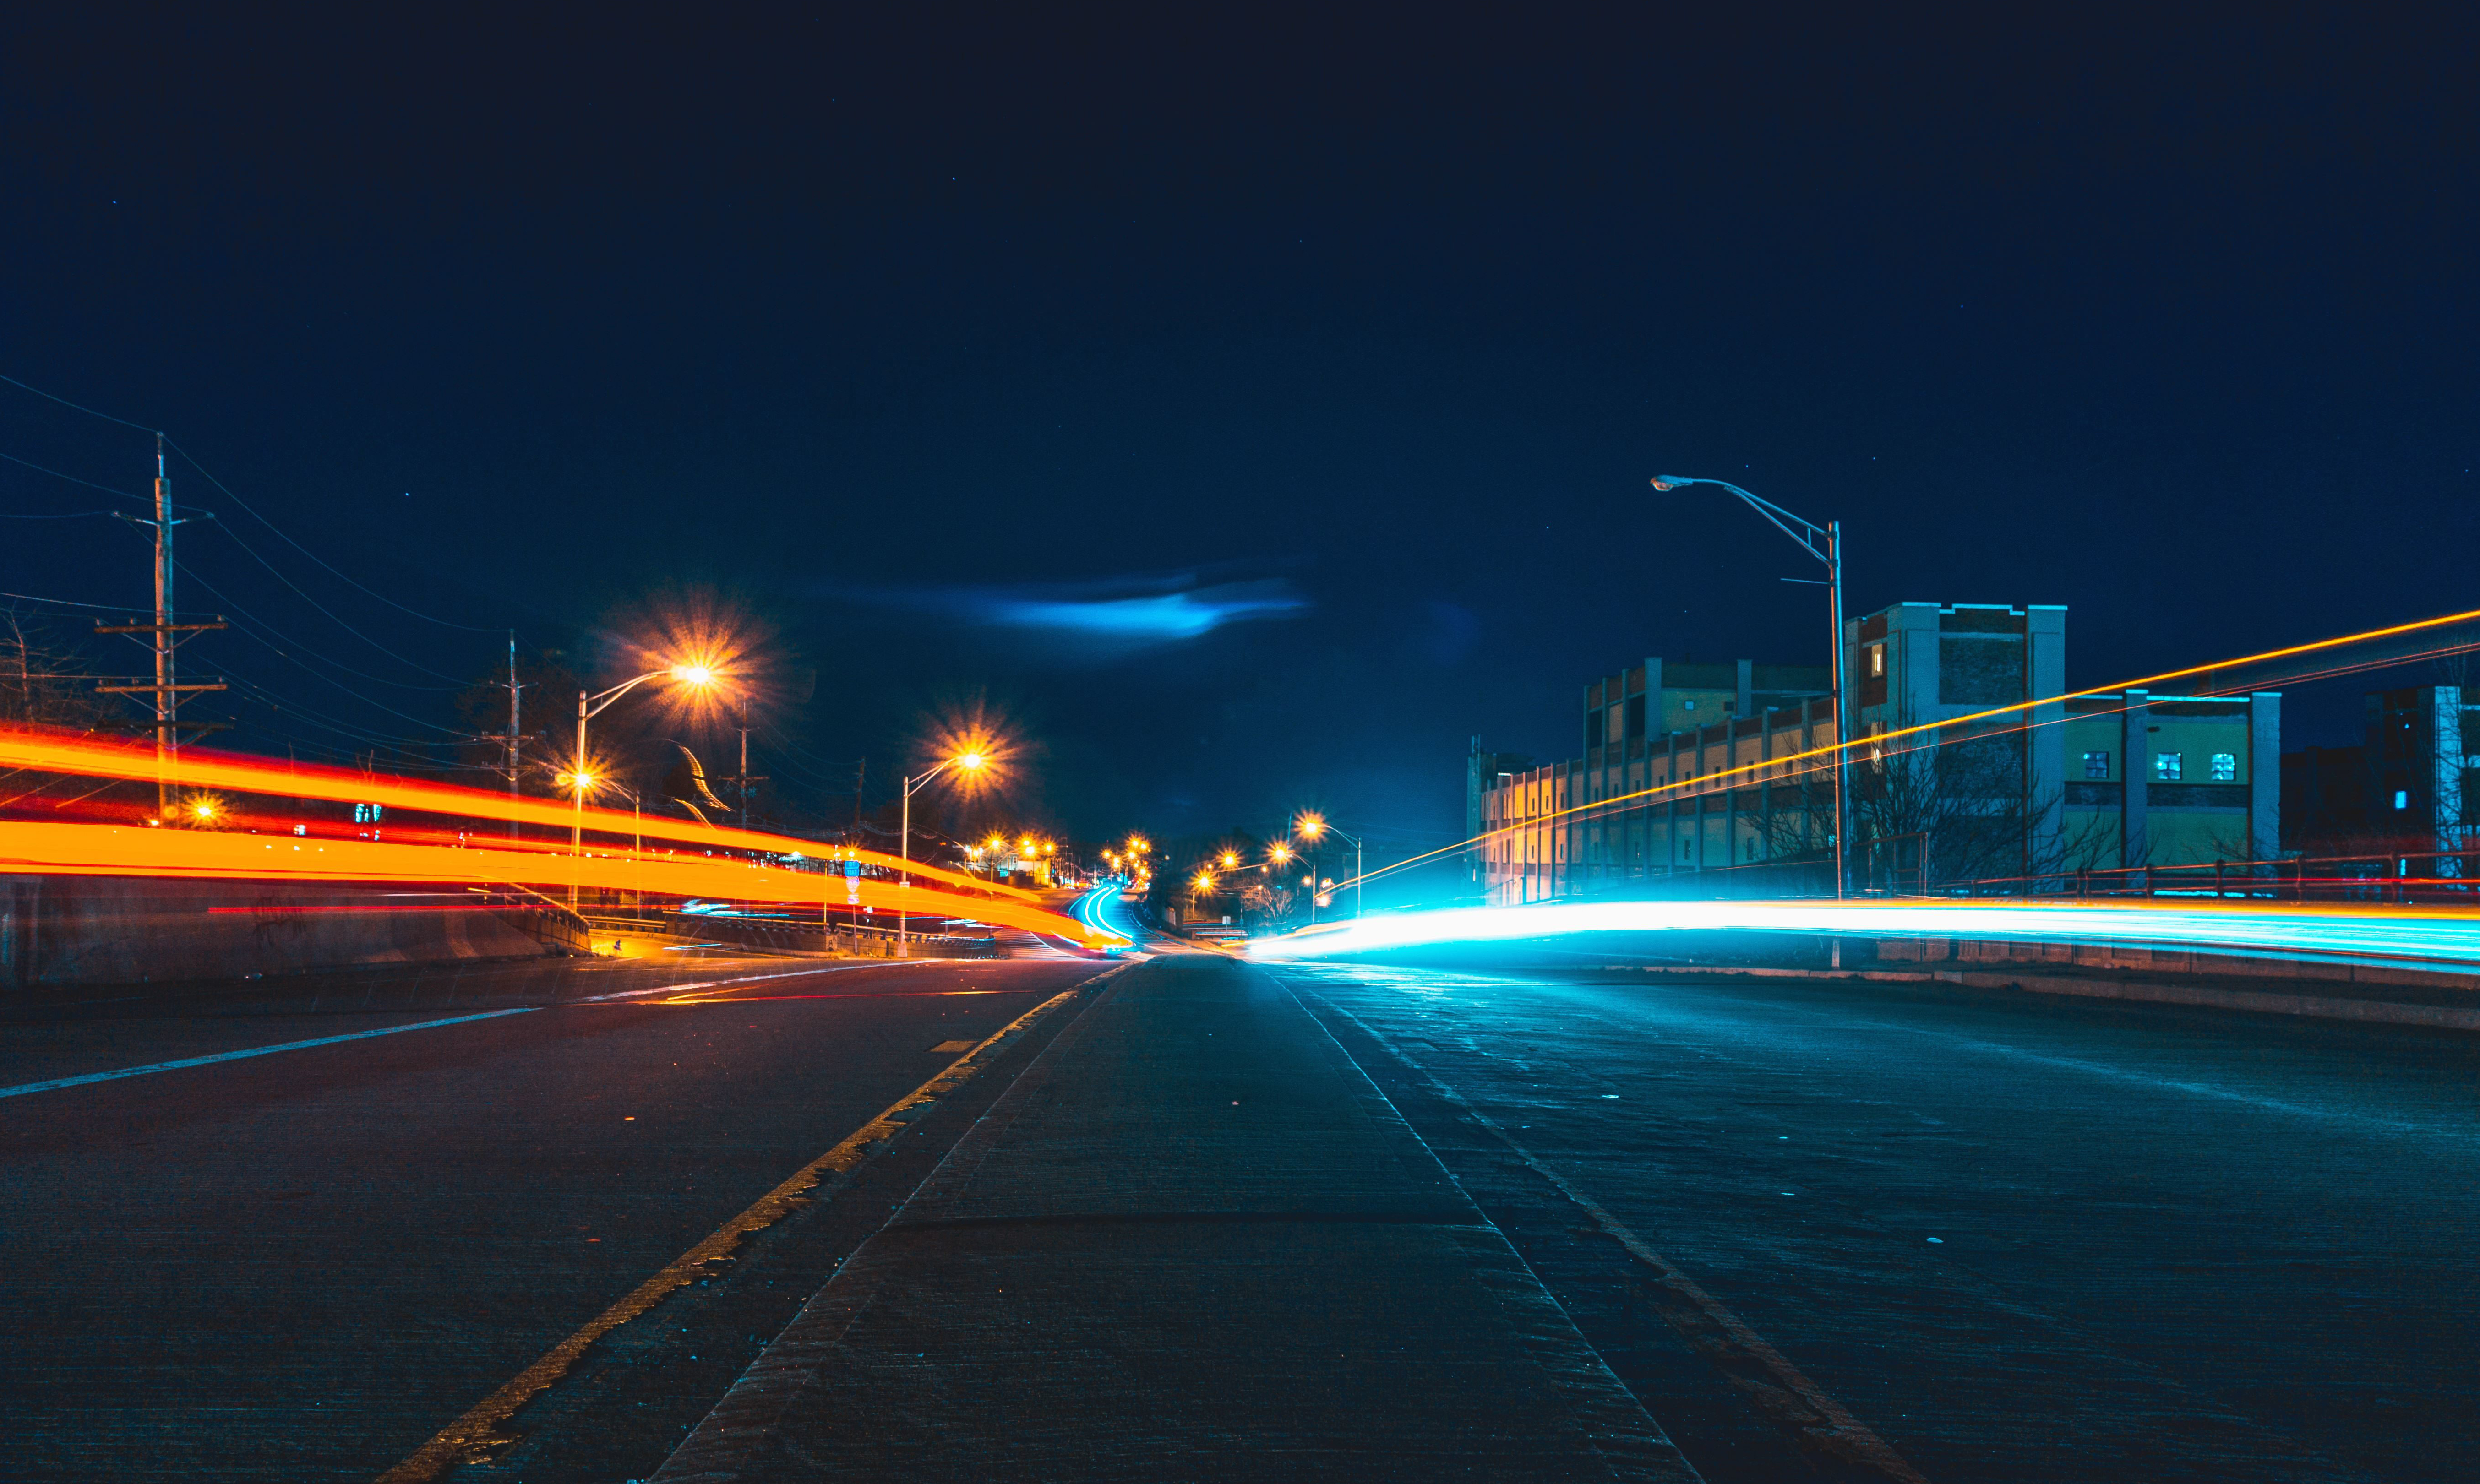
x=2096, y=764
x=2226, y=767
x=1877, y=661
x=2166, y=766
x=2402, y=798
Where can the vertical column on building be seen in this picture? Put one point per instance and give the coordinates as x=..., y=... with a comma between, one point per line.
x=1730, y=791
x=1766, y=785
x=1670, y=803
x=2045, y=744
x=2136, y=757
x=2264, y=777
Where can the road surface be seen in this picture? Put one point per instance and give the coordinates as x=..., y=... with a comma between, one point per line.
x=2019, y=1239
x=302, y=1265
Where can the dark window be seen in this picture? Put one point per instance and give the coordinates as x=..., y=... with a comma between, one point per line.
x=1635, y=718
x=2096, y=764
x=1594, y=738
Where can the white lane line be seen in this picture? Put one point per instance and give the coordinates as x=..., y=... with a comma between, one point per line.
x=254, y=1051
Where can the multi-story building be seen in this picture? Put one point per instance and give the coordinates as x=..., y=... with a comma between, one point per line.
x=2112, y=781
x=2010, y=787
x=1641, y=801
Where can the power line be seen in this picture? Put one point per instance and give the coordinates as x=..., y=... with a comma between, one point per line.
x=246, y=506
x=316, y=557
x=88, y=411
x=328, y=678
x=280, y=637
x=105, y=608
x=338, y=622
x=71, y=478
x=403, y=747
x=74, y=514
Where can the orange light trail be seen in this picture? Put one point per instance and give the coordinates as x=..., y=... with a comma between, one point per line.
x=135, y=850
x=49, y=752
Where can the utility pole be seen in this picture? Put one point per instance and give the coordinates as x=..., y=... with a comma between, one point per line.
x=742, y=780
x=513, y=733
x=166, y=689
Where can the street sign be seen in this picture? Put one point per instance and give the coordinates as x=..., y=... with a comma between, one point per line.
x=852, y=884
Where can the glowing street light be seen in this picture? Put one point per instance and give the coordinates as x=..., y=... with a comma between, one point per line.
x=970, y=763
x=1230, y=859
x=1313, y=827
x=694, y=675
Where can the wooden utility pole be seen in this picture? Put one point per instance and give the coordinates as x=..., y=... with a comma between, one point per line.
x=166, y=688
x=744, y=778
x=513, y=734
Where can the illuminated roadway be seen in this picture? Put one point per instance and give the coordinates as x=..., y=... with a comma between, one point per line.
x=1101, y=911
x=302, y=1265
x=2022, y=1239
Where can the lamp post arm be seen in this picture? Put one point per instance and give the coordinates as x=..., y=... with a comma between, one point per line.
x=1810, y=536
x=915, y=785
x=601, y=699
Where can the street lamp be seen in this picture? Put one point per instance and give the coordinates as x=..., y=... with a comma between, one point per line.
x=1313, y=827
x=970, y=763
x=1825, y=544
x=695, y=677
x=585, y=783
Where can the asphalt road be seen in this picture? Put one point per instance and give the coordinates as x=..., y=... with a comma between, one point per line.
x=302, y=1264
x=2019, y=1239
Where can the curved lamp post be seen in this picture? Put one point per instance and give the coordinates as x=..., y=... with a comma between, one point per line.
x=694, y=677
x=970, y=763
x=1825, y=544
x=1314, y=828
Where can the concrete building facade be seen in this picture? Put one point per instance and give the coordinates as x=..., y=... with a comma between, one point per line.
x=2038, y=789
x=1580, y=825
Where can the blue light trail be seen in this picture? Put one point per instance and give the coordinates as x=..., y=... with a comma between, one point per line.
x=2321, y=931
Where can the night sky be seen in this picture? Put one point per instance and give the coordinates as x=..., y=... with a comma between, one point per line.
x=1248, y=411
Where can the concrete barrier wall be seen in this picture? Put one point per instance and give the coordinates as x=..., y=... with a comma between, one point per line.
x=72, y=930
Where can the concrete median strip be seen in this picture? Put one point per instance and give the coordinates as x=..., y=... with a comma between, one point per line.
x=1191, y=1241
x=478, y=1432
x=119, y=1073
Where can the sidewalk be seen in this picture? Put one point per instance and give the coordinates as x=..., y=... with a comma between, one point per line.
x=1191, y=1243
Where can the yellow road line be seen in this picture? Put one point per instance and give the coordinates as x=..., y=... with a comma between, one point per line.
x=471, y=1438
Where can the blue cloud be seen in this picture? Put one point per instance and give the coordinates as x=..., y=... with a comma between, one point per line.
x=1164, y=618
x=1108, y=618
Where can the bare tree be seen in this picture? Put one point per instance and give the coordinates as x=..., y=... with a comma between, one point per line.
x=42, y=681
x=1972, y=809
